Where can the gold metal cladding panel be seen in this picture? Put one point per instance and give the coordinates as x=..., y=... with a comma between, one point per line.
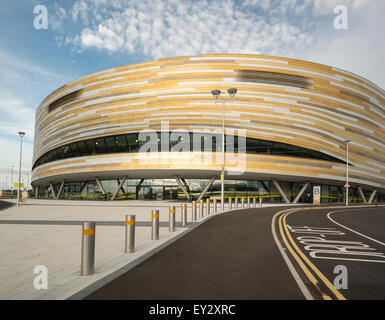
x=337, y=106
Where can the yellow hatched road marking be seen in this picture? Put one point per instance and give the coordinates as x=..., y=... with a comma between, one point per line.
x=282, y=224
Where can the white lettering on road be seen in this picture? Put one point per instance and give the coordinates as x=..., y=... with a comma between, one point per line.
x=321, y=248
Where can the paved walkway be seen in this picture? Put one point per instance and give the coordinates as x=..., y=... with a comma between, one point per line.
x=48, y=232
x=231, y=256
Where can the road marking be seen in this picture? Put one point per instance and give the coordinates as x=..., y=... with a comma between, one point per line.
x=282, y=221
x=299, y=261
x=283, y=226
x=315, y=241
x=294, y=273
x=365, y=236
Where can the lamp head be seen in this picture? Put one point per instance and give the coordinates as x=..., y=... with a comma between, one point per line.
x=216, y=94
x=347, y=141
x=232, y=92
x=21, y=134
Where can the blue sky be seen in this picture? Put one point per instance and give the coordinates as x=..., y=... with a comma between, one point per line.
x=86, y=36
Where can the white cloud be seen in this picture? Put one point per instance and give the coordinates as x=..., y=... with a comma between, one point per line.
x=263, y=4
x=56, y=20
x=300, y=29
x=172, y=28
x=16, y=116
x=23, y=85
x=80, y=9
x=359, y=49
x=11, y=62
x=324, y=7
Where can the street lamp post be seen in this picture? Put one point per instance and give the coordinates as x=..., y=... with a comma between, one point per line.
x=21, y=134
x=216, y=93
x=12, y=182
x=347, y=173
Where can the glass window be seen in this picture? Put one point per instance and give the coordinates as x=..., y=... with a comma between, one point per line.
x=111, y=144
x=100, y=145
x=91, y=146
x=121, y=143
x=82, y=147
x=129, y=143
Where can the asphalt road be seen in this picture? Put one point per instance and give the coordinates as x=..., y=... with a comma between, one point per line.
x=5, y=204
x=325, y=239
x=234, y=256
x=231, y=256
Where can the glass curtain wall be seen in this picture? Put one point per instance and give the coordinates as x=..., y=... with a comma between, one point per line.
x=168, y=189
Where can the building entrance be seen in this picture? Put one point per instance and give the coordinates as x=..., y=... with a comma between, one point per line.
x=170, y=193
x=149, y=193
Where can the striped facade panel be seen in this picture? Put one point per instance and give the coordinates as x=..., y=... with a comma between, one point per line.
x=287, y=101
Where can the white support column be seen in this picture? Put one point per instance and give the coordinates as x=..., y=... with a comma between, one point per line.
x=121, y=188
x=52, y=190
x=281, y=191
x=362, y=194
x=118, y=188
x=100, y=185
x=300, y=193
x=181, y=185
x=372, y=196
x=206, y=188
x=60, y=189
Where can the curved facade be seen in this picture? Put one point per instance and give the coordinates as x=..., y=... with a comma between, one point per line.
x=290, y=119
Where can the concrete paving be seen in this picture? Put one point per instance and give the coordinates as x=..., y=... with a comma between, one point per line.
x=48, y=232
x=37, y=234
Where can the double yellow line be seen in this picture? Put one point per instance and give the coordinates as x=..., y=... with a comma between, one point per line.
x=305, y=264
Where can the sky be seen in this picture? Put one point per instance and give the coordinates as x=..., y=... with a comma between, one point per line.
x=87, y=36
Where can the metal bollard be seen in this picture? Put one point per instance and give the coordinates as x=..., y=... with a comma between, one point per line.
x=171, y=217
x=201, y=209
x=155, y=225
x=207, y=207
x=242, y=202
x=236, y=202
x=215, y=206
x=130, y=233
x=88, y=249
x=260, y=201
x=183, y=213
x=230, y=203
x=193, y=211
x=248, y=202
x=254, y=202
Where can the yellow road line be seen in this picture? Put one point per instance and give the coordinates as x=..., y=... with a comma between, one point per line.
x=310, y=276
x=282, y=225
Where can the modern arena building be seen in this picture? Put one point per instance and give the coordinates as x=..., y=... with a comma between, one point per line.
x=287, y=129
